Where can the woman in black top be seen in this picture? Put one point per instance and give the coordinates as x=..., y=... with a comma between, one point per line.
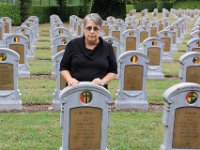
x=89, y=58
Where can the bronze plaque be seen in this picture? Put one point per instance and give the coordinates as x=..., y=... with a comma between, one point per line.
x=0, y=33
x=174, y=38
x=20, y=50
x=167, y=42
x=160, y=27
x=186, y=128
x=130, y=43
x=143, y=36
x=196, y=49
x=6, y=77
x=133, y=77
x=115, y=51
x=60, y=48
x=153, y=54
x=85, y=128
x=116, y=34
x=153, y=32
x=193, y=74
x=106, y=30
x=6, y=24
x=63, y=83
x=79, y=29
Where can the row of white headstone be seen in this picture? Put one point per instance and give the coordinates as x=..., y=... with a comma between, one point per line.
x=15, y=51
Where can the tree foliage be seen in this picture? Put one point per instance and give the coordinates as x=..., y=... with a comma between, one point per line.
x=25, y=7
x=105, y=8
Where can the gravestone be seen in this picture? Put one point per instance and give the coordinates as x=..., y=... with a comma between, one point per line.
x=28, y=32
x=144, y=33
x=60, y=81
x=60, y=31
x=181, y=117
x=116, y=46
x=85, y=117
x=166, y=37
x=153, y=27
x=190, y=67
x=116, y=31
x=153, y=48
x=132, y=80
x=9, y=93
x=193, y=45
x=19, y=43
x=7, y=25
x=130, y=40
x=1, y=33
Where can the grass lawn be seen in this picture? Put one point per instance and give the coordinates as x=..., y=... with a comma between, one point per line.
x=41, y=131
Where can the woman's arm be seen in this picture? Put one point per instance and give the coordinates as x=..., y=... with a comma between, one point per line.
x=67, y=76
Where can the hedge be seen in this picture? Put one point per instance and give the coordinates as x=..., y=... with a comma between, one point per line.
x=187, y=4
x=139, y=6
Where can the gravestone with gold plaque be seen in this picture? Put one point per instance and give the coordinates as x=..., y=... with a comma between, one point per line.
x=144, y=33
x=174, y=30
x=190, y=67
x=130, y=40
x=9, y=93
x=132, y=81
x=59, y=44
x=193, y=45
x=28, y=32
x=7, y=25
x=116, y=31
x=84, y=117
x=1, y=33
x=167, y=37
x=154, y=26
x=19, y=44
x=60, y=82
x=153, y=48
x=60, y=31
x=181, y=117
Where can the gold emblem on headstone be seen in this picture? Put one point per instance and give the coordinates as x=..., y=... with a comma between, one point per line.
x=134, y=59
x=196, y=60
x=191, y=97
x=86, y=97
x=198, y=44
x=16, y=39
x=3, y=57
x=154, y=43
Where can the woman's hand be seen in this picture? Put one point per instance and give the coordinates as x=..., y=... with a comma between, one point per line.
x=98, y=81
x=72, y=82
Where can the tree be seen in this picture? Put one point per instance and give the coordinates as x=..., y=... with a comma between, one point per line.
x=105, y=8
x=25, y=7
x=61, y=7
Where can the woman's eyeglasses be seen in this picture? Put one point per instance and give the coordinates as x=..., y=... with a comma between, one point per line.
x=89, y=28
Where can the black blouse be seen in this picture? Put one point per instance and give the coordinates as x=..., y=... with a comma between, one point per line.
x=85, y=64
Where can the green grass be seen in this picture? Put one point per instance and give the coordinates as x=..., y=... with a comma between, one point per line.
x=30, y=131
x=36, y=90
x=41, y=131
x=40, y=67
x=42, y=54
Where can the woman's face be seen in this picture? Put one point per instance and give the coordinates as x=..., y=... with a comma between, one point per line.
x=92, y=32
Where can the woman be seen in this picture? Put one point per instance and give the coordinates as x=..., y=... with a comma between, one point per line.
x=89, y=58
